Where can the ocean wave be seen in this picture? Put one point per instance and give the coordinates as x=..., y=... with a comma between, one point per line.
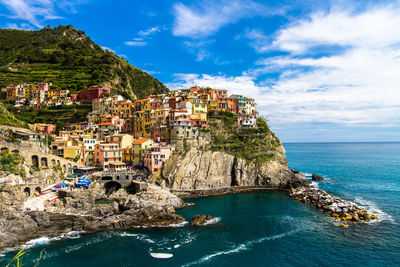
x=308, y=174
x=174, y=225
x=72, y=235
x=242, y=247
x=38, y=241
x=213, y=221
x=124, y=234
x=373, y=209
x=314, y=184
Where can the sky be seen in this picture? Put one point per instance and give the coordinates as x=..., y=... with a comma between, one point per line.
x=320, y=71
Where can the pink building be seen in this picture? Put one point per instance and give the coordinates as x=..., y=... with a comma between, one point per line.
x=247, y=121
x=155, y=157
x=45, y=129
x=106, y=153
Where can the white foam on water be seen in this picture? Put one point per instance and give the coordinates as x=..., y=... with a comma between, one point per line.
x=314, y=184
x=2, y=255
x=373, y=209
x=161, y=255
x=213, y=221
x=308, y=174
x=37, y=241
x=242, y=247
x=72, y=235
x=175, y=246
x=174, y=225
x=125, y=234
x=148, y=240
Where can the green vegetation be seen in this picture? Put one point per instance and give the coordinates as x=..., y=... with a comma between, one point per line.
x=6, y=118
x=17, y=259
x=11, y=163
x=58, y=115
x=257, y=144
x=68, y=59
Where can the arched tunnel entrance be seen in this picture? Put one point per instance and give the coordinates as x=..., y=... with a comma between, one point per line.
x=112, y=187
x=27, y=191
x=38, y=190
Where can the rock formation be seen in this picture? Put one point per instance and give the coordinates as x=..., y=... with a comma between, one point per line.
x=78, y=211
x=341, y=210
x=316, y=177
x=204, y=169
x=199, y=220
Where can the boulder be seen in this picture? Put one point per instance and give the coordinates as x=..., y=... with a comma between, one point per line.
x=316, y=177
x=198, y=220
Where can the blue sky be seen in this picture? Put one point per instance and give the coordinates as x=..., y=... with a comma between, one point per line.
x=320, y=70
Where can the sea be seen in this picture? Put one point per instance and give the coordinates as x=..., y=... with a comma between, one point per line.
x=261, y=228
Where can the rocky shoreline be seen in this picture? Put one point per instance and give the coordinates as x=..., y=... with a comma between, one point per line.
x=92, y=211
x=78, y=211
x=341, y=210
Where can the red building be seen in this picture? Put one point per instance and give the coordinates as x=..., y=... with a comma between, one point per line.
x=91, y=93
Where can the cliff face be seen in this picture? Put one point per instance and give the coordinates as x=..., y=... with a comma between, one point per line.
x=202, y=170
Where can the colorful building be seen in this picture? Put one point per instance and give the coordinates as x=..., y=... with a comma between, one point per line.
x=156, y=155
x=91, y=93
x=139, y=146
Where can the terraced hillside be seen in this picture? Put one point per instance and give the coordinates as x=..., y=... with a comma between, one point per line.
x=67, y=58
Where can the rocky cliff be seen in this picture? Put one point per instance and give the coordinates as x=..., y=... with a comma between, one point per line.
x=79, y=210
x=205, y=169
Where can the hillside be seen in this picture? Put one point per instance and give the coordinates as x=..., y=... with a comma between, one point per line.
x=6, y=118
x=67, y=58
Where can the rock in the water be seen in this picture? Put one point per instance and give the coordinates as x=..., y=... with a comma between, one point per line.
x=200, y=220
x=316, y=177
x=341, y=210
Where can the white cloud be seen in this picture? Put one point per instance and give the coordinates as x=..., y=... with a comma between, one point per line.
x=355, y=84
x=149, y=31
x=210, y=16
x=145, y=35
x=374, y=28
x=35, y=11
x=136, y=43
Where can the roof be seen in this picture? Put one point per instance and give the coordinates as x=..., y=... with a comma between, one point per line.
x=141, y=141
x=106, y=124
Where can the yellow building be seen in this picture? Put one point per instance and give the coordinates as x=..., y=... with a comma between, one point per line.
x=127, y=155
x=199, y=106
x=212, y=105
x=126, y=110
x=72, y=152
x=142, y=124
x=139, y=146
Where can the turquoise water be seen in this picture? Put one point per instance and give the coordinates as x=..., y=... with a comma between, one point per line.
x=268, y=228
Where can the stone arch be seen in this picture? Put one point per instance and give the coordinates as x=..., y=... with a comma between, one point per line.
x=4, y=149
x=53, y=162
x=38, y=190
x=43, y=162
x=27, y=191
x=35, y=161
x=112, y=187
x=15, y=151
